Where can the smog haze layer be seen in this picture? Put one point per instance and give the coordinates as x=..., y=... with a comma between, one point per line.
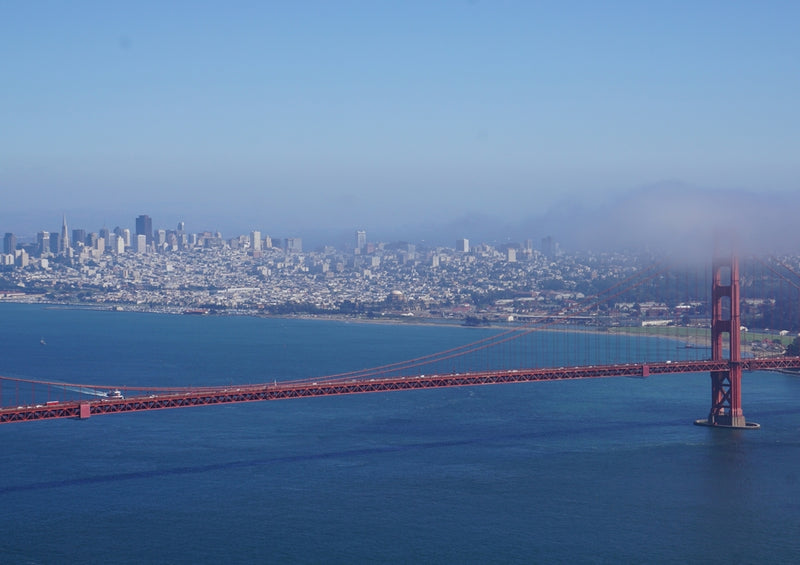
x=608, y=125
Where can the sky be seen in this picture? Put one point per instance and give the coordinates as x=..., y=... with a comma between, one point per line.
x=300, y=117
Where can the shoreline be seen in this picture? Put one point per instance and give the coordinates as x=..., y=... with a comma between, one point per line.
x=396, y=320
x=700, y=340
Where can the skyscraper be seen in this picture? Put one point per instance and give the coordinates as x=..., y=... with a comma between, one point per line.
x=9, y=243
x=361, y=240
x=63, y=244
x=78, y=238
x=55, y=243
x=255, y=240
x=462, y=245
x=144, y=226
x=117, y=244
x=293, y=245
x=549, y=247
x=43, y=243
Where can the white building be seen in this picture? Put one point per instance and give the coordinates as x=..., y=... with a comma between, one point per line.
x=255, y=240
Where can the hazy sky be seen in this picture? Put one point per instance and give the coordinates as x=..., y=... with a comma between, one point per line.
x=291, y=116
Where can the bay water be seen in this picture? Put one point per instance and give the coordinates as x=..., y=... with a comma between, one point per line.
x=593, y=471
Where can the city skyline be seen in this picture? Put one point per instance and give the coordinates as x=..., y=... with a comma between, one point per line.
x=669, y=216
x=120, y=239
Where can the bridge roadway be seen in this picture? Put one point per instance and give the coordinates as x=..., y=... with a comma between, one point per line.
x=181, y=398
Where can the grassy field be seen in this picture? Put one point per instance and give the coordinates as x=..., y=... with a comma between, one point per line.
x=701, y=335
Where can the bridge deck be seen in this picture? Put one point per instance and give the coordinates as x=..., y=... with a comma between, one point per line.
x=181, y=398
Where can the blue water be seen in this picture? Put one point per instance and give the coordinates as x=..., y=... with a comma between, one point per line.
x=604, y=471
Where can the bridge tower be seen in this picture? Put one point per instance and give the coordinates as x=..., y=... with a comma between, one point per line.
x=726, y=386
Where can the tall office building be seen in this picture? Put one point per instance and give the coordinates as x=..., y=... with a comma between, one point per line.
x=361, y=240
x=550, y=247
x=255, y=240
x=43, y=243
x=144, y=226
x=78, y=238
x=9, y=243
x=55, y=243
x=63, y=248
x=293, y=245
x=462, y=245
x=116, y=244
x=141, y=243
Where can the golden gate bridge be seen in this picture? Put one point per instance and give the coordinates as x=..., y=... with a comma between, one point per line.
x=687, y=336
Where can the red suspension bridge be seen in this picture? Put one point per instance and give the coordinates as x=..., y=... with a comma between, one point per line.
x=680, y=333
